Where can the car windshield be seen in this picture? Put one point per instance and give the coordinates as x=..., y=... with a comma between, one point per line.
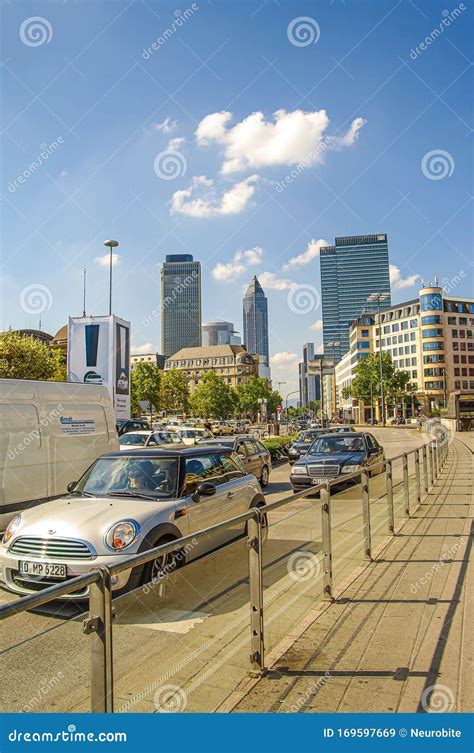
x=166, y=437
x=156, y=478
x=338, y=444
x=136, y=440
x=307, y=436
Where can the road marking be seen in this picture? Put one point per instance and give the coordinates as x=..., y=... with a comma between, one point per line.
x=172, y=621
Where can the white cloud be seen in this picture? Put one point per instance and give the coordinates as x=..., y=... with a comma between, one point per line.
x=240, y=261
x=271, y=281
x=140, y=350
x=397, y=281
x=104, y=260
x=311, y=252
x=167, y=126
x=284, y=359
x=175, y=144
x=232, y=201
x=290, y=138
x=320, y=349
x=317, y=326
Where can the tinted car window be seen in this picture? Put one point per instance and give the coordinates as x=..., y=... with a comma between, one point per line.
x=154, y=477
x=136, y=440
x=337, y=443
x=230, y=468
x=203, y=468
x=261, y=447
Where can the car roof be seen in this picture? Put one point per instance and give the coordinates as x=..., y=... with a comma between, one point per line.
x=351, y=434
x=165, y=453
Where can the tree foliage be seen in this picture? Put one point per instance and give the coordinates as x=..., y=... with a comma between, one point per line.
x=23, y=357
x=212, y=397
x=366, y=382
x=250, y=395
x=174, y=391
x=145, y=386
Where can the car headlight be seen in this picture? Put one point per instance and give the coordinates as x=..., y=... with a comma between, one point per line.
x=351, y=468
x=121, y=535
x=300, y=470
x=11, y=528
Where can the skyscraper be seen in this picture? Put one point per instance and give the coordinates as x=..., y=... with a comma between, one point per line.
x=180, y=303
x=351, y=270
x=255, y=315
x=310, y=386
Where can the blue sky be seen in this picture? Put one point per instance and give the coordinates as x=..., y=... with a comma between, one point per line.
x=383, y=126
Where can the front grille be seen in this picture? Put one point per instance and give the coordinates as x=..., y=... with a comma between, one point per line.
x=54, y=549
x=323, y=470
x=40, y=584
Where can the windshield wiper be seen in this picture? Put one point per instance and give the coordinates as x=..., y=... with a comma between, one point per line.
x=85, y=494
x=131, y=494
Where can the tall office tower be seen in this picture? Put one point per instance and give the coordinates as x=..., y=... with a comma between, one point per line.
x=255, y=315
x=219, y=333
x=310, y=386
x=180, y=303
x=351, y=270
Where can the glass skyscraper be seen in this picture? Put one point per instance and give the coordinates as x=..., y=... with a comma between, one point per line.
x=180, y=303
x=351, y=270
x=310, y=386
x=255, y=315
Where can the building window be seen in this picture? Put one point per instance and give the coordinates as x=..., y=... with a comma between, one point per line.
x=433, y=346
x=365, y=333
x=434, y=319
x=404, y=325
x=413, y=323
x=432, y=333
x=395, y=327
x=451, y=320
x=431, y=302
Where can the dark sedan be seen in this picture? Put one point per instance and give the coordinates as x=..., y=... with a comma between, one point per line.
x=254, y=455
x=302, y=443
x=333, y=455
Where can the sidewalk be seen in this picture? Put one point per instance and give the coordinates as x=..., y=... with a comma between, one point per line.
x=400, y=638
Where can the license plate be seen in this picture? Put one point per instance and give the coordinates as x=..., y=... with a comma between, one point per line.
x=47, y=569
x=320, y=480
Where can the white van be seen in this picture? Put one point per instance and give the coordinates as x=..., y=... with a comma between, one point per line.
x=50, y=433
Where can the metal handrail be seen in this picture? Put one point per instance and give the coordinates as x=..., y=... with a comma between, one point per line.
x=99, y=623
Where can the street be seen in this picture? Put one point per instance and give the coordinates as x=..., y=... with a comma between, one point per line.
x=199, y=637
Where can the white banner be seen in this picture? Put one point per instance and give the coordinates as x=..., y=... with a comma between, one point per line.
x=99, y=353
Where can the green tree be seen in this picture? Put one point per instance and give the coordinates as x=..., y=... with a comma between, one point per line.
x=174, y=391
x=399, y=388
x=273, y=401
x=212, y=397
x=145, y=386
x=366, y=382
x=23, y=357
x=250, y=395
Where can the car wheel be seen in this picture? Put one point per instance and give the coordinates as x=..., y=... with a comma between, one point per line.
x=264, y=477
x=155, y=570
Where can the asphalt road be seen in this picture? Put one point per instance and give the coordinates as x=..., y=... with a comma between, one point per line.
x=198, y=638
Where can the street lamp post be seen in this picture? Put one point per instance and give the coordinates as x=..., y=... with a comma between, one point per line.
x=111, y=245
x=379, y=298
x=333, y=345
x=295, y=392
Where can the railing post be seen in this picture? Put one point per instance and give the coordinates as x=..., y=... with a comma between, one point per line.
x=406, y=484
x=436, y=458
x=366, y=514
x=418, y=476
x=99, y=627
x=425, y=469
x=390, y=511
x=327, y=543
x=430, y=452
x=254, y=542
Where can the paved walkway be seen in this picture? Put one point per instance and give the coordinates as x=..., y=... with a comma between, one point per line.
x=400, y=638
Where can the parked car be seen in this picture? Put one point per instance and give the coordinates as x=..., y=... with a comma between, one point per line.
x=191, y=436
x=335, y=454
x=127, y=503
x=253, y=454
x=372, y=421
x=221, y=428
x=48, y=430
x=398, y=421
x=302, y=443
x=139, y=439
x=131, y=424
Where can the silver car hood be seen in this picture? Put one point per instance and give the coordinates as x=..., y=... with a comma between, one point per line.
x=88, y=518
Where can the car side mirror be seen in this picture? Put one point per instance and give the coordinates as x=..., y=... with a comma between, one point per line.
x=373, y=450
x=205, y=489
x=71, y=486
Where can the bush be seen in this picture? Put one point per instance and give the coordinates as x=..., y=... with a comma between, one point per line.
x=276, y=444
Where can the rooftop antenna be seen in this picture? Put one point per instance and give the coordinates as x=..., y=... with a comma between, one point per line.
x=84, y=293
x=40, y=324
x=436, y=281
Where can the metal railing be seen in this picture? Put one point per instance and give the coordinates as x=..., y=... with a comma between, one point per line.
x=101, y=613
